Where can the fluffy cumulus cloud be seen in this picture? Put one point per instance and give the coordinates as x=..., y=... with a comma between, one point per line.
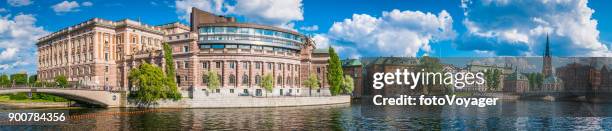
x=66, y=6
x=395, y=33
x=87, y=3
x=18, y=36
x=280, y=13
x=520, y=27
x=310, y=28
x=17, y=3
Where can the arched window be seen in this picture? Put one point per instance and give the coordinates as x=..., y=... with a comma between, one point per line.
x=220, y=79
x=257, y=79
x=245, y=79
x=204, y=79
x=232, y=79
x=279, y=80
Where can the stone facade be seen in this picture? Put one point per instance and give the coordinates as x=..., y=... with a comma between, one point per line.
x=240, y=53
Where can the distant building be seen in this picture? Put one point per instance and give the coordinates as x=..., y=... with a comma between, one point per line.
x=516, y=82
x=606, y=78
x=578, y=77
x=354, y=68
x=551, y=81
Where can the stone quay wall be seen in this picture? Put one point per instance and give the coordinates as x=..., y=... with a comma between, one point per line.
x=249, y=102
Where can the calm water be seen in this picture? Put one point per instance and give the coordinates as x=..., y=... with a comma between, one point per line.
x=523, y=115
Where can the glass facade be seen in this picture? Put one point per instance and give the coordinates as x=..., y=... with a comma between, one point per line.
x=256, y=38
x=249, y=31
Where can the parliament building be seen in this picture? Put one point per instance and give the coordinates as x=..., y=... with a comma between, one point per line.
x=99, y=54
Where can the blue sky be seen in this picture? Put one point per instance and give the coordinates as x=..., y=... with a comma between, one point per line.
x=356, y=28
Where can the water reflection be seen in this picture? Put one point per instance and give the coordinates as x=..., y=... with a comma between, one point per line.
x=521, y=115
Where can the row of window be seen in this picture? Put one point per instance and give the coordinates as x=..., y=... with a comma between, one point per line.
x=250, y=31
x=233, y=46
x=245, y=79
x=246, y=91
x=248, y=38
x=245, y=65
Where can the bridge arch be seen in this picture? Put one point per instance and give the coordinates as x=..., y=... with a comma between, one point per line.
x=94, y=97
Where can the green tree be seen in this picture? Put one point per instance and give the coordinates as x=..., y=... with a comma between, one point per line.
x=267, y=83
x=152, y=84
x=348, y=85
x=312, y=83
x=170, y=73
x=213, y=81
x=5, y=81
x=334, y=72
x=19, y=78
x=61, y=81
x=493, y=79
x=33, y=79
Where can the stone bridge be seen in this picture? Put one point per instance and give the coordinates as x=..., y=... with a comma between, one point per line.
x=94, y=97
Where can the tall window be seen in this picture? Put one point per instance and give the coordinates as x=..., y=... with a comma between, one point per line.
x=185, y=48
x=232, y=65
x=257, y=65
x=288, y=80
x=218, y=64
x=245, y=79
x=232, y=79
x=220, y=79
x=279, y=80
x=270, y=66
x=205, y=65
x=245, y=65
x=204, y=79
x=257, y=79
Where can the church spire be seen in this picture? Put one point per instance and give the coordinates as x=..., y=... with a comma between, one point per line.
x=547, y=51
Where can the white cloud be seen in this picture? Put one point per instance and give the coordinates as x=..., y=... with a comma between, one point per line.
x=310, y=28
x=65, y=6
x=281, y=13
x=18, y=36
x=2, y=10
x=87, y=3
x=401, y=33
x=17, y=3
x=520, y=27
x=321, y=41
x=271, y=12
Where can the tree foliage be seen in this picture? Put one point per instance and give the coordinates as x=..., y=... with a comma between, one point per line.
x=493, y=79
x=535, y=80
x=213, y=80
x=19, y=78
x=267, y=82
x=312, y=82
x=348, y=85
x=5, y=81
x=334, y=72
x=33, y=79
x=61, y=81
x=170, y=73
x=152, y=84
